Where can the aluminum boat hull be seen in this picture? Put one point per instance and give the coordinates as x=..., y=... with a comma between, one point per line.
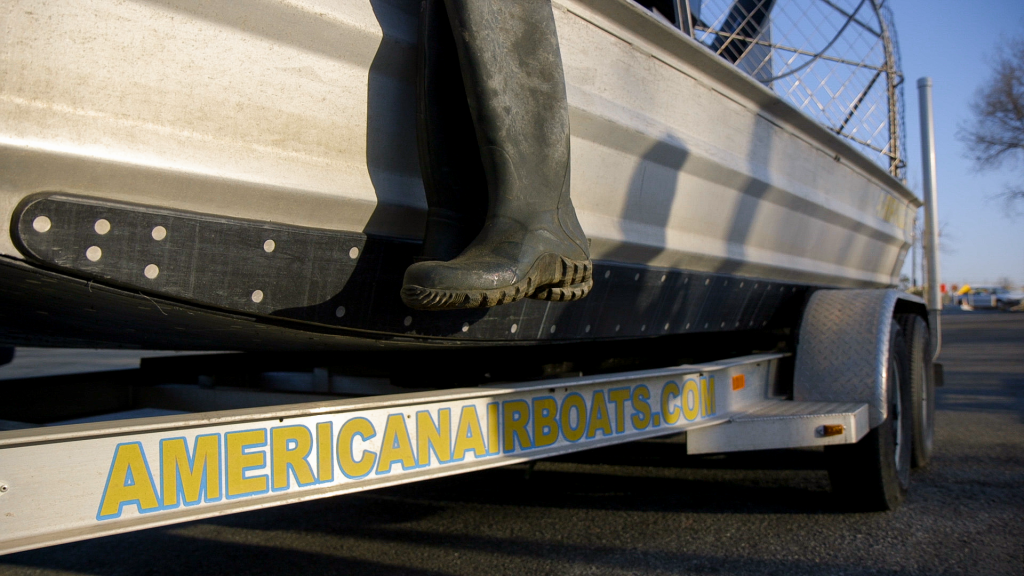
x=302, y=114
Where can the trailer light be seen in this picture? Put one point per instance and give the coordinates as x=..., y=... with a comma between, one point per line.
x=739, y=382
x=831, y=430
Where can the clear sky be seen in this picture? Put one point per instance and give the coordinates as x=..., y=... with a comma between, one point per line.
x=952, y=41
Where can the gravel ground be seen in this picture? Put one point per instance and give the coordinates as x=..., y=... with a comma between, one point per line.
x=644, y=508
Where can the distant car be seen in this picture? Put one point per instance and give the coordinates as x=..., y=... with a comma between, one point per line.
x=985, y=297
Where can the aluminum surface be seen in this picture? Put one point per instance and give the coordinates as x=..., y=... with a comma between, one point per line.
x=303, y=113
x=782, y=424
x=931, y=214
x=843, y=349
x=72, y=482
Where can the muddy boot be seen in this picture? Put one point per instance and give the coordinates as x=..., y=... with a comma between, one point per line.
x=453, y=176
x=531, y=244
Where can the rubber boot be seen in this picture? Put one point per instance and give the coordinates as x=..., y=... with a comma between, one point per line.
x=531, y=244
x=453, y=176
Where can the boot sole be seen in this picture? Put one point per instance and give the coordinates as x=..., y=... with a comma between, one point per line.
x=552, y=277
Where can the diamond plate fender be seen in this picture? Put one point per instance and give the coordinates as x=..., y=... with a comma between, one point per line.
x=843, y=349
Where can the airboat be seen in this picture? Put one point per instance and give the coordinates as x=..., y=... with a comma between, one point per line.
x=222, y=176
x=210, y=175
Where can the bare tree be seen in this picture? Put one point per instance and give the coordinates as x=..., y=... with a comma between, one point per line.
x=995, y=135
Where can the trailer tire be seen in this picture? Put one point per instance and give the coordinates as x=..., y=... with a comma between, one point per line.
x=874, y=474
x=922, y=387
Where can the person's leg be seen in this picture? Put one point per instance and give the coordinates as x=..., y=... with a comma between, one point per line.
x=453, y=176
x=531, y=243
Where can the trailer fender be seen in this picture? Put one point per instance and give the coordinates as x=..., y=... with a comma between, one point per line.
x=843, y=347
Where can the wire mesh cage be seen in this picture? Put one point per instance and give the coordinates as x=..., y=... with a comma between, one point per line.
x=836, y=60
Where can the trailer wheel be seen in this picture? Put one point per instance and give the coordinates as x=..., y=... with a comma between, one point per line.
x=922, y=387
x=874, y=474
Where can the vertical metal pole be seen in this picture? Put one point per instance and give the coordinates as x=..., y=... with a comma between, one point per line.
x=931, y=211
x=685, y=19
x=913, y=258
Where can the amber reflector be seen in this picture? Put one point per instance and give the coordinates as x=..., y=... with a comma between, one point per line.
x=831, y=430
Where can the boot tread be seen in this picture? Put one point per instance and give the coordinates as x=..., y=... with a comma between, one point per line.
x=553, y=278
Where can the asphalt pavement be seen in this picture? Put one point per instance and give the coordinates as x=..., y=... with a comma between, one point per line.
x=644, y=508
